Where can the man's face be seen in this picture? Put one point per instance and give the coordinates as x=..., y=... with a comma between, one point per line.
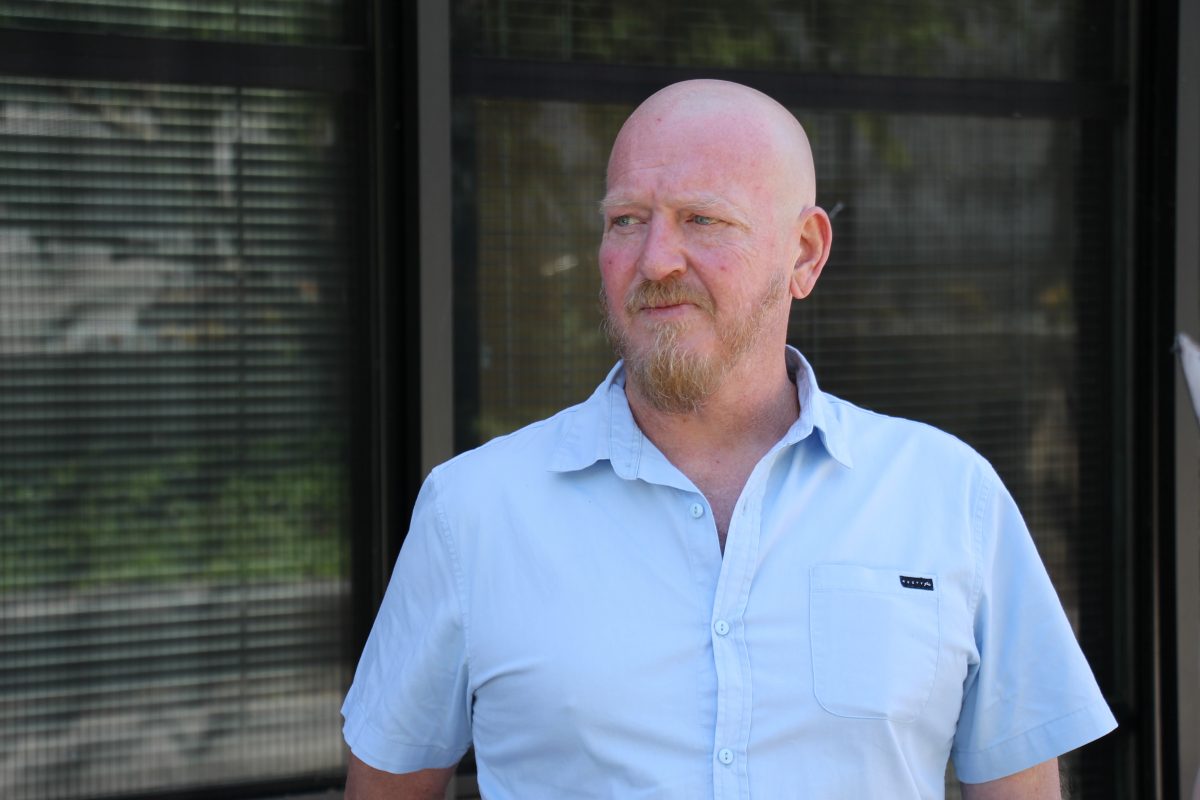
x=696, y=257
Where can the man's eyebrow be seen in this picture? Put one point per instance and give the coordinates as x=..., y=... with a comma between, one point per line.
x=613, y=202
x=704, y=202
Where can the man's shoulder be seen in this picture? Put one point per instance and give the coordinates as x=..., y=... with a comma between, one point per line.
x=480, y=493
x=872, y=434
x=529, y=447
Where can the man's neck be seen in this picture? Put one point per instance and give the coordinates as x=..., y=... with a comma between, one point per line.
x=740, y=415
x=718, y=445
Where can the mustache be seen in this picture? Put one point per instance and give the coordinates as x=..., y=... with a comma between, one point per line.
x=670, y=292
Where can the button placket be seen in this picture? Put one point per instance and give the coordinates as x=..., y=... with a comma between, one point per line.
x=734, y=702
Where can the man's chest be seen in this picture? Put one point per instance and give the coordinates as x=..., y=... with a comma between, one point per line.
x=624, y=626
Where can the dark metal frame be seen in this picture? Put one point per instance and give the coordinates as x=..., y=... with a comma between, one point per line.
x=393, y=443
x=466, y=273
x=112, y=57
x=1152, y=418
x=623, y=84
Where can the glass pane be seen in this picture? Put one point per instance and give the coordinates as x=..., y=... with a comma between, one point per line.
x=995, y=38
x=283, y=21
x=173, y=433
x=538, y=189
x=968, y=287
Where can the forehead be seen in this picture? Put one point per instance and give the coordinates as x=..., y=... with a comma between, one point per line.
x=694, y=157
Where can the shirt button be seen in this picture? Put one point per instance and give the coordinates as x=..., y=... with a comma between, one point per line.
x=725, y=756
x=721, y=627
x=697, y=510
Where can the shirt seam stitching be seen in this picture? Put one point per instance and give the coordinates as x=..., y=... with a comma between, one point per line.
x=443, y=530
x=984, y=499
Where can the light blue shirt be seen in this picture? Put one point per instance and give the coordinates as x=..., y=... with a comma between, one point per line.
x=561, y=601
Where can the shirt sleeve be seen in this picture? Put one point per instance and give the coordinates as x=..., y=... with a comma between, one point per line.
x=408, y=708
x=1031, y=696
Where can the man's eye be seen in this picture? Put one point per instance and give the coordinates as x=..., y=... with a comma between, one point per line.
x=700, y=219
x=623, y=221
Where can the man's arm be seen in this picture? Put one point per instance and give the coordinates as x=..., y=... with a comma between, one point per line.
x=1036, y=783
x=364, y=782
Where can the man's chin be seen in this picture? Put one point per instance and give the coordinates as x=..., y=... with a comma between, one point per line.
x=674, y=382
x=686, y=340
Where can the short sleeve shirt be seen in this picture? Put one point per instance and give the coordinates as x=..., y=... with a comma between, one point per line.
x=561, y=602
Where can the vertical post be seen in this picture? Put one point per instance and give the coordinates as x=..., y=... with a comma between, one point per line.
x=436, y=265
x=1187, y=440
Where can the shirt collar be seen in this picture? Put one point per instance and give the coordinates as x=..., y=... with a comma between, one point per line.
x=603, y=428
x=816, y=411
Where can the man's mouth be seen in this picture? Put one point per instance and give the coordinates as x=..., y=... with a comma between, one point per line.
x=660, y=298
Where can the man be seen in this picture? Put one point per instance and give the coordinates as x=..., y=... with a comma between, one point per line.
x=711, y=579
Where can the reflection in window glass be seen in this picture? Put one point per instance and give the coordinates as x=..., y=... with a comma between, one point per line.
x=173, y=426
x=284, y=21
x=967, y=288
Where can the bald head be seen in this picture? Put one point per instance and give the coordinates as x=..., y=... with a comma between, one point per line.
x=735, y=122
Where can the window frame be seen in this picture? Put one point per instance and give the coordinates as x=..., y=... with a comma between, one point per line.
x=1137, y=121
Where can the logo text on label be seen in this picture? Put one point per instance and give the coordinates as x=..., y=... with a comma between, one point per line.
x=911, y=582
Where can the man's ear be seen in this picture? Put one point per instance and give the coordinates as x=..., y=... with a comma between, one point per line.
x=816, y=236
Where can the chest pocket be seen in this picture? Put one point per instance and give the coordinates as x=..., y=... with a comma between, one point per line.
x=875, y=639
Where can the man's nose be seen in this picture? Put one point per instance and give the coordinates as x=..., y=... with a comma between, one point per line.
x=663, y=253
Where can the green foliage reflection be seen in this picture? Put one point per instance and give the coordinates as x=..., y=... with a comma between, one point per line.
x=179, y=517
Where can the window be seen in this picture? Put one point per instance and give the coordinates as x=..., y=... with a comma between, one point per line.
x=969, y=155
x=180, y=288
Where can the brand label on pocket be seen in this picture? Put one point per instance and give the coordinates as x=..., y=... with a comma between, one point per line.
x=911, y=582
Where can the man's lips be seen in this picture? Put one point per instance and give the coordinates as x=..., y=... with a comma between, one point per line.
x=666, y=299
x=666, y=310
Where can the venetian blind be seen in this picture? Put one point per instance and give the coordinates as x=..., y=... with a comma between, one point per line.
x=292, y=21
x=173, y=436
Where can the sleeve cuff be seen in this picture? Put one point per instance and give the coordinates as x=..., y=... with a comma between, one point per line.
x=376, y=750
x=1033, y=747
